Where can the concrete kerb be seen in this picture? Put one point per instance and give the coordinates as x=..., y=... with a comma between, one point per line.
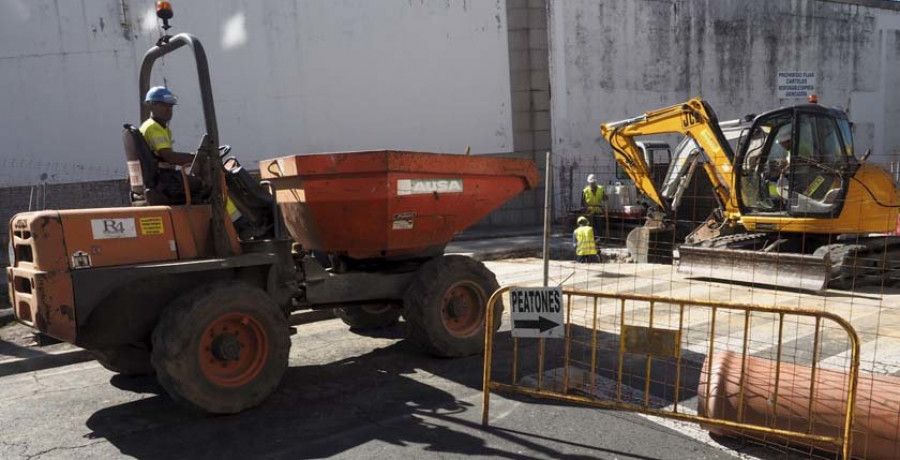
x=510, y=246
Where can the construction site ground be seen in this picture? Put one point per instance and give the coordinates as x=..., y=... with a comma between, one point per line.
x=366, y=395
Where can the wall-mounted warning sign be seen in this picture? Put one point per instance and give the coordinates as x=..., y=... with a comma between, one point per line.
x=795, y=84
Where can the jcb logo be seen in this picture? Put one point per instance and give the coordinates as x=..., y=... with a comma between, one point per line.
x=689, y=119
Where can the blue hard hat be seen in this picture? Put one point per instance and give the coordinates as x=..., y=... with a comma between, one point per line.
x=161, y=94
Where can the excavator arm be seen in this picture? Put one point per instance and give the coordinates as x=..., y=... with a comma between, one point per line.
x=694, y=118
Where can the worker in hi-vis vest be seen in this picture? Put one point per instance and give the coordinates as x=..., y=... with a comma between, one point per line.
x=583, y=240
x=158, y=134
x=593, y=202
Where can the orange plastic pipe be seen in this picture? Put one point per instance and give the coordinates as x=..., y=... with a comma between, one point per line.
x=876, y=432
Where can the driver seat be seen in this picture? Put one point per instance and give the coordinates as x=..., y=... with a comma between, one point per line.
x=143, y=170
x=148, y=186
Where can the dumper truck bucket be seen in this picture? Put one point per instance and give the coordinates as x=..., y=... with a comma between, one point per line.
x=390, y=204
x=798, y=271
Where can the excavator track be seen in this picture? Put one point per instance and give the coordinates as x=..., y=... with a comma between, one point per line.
x=736, y=241
x=867, y=261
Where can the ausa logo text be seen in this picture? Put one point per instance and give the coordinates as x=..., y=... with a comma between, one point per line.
x=427, y=186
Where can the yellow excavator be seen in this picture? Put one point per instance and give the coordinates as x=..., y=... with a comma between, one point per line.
x=796, y=207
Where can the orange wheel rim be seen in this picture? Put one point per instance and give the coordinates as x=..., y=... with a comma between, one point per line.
x=233, y=350
x=462, y=309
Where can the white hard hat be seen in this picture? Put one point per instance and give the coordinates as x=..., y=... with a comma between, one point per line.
x=591, y=179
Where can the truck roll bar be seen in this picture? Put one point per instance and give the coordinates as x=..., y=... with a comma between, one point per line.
x=166, y=46
x=212, y=171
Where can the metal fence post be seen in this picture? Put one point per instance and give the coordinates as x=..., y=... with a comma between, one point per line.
x=548, y=180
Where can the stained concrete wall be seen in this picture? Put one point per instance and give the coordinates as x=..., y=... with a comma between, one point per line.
x=529, y=78
x=288, y=76
x=613, y=59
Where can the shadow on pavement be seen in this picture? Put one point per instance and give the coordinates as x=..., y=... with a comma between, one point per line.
x=662, y=376
x=319, y=411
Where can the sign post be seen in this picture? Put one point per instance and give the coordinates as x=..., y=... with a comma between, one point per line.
x=537, y=312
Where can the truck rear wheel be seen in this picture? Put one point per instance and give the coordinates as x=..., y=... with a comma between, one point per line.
x=446, y=306
x=368, y=317
x=131, y=359
x=221, y=348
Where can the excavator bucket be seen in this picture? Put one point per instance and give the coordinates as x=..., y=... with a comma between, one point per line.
x=798, y=271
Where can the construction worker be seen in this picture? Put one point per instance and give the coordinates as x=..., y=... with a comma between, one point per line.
x=593, y=202
x=156, y=129
x=776, y=182
x=583, y=241
x=778, y=164
x=158, y=135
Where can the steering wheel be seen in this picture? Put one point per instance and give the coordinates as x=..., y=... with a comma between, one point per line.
x=223, y=151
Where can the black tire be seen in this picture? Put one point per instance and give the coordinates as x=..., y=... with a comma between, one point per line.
x=446, y=303
x=130, y=360
x=203, y=364
x=368, y=317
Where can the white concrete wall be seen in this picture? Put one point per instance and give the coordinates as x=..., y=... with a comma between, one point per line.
x=614, y=59
x=288, y=76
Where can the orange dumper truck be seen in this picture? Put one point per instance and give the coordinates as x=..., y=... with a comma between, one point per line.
x=200, y=292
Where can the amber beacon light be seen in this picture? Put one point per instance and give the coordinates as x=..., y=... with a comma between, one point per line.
x=164, y=12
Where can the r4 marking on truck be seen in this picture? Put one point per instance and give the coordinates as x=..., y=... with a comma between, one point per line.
x=104, y=229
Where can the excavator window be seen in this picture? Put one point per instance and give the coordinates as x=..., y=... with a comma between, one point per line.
x=848, y=137
x=765, y=164
x=815, y=177
x=794, y=165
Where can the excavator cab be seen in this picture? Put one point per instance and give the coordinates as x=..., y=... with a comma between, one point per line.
x=796, y=162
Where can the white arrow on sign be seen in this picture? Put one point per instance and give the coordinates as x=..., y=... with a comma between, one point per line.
x=537, y=312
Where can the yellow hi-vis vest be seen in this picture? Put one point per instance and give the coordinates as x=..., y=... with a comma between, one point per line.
x=158, y=137
x=593, y=200
x=584, y=241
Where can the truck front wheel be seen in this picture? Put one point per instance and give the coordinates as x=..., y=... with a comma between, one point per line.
x=446, y=306
x=222, y=348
